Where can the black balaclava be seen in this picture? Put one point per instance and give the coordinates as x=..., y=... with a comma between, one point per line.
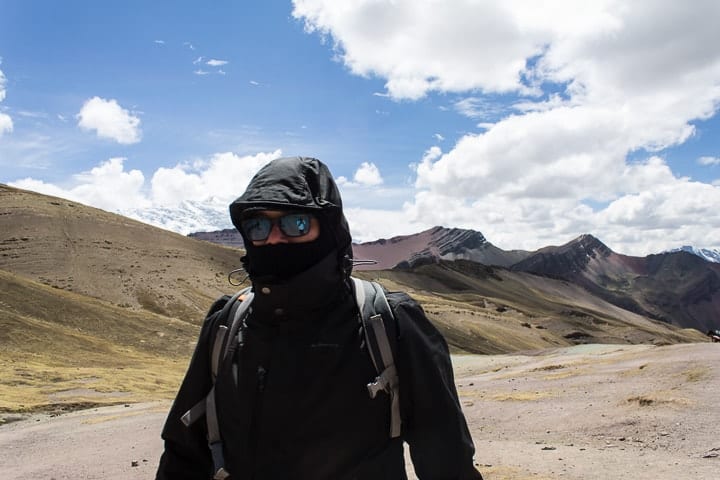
x=294, y=279
x=280, y=262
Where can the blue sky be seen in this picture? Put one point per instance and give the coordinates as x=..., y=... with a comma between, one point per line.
x=530, y=124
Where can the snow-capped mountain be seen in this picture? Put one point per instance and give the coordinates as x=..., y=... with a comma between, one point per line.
x=185, y=218
x=707, y=254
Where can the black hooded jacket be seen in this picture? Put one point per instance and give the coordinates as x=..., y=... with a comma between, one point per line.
x=293, y=403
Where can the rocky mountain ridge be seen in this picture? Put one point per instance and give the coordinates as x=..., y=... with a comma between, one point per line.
x=675, y=287
x=678, y=287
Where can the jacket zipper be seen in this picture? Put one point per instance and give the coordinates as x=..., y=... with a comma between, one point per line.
x=256, y=411
x=261, y=372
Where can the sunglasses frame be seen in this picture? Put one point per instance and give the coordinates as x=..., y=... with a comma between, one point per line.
x=279, y=221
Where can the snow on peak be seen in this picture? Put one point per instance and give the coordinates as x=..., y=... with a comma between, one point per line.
x=705, y=253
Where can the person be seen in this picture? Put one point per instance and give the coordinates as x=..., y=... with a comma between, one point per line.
x=294, y=403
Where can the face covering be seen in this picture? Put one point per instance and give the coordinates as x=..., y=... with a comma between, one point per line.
x=285, y=260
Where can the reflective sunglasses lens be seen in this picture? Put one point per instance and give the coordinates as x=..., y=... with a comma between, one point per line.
x=295, y=224
x=257, y=229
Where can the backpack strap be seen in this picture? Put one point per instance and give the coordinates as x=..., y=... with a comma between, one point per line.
x=236, y=310
x=374, y=312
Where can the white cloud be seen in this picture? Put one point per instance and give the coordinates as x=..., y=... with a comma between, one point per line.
x=224, y=176
x=475, y=107
x=216, y=63
x=438, y=137
x=368, y=224
x=367, y=175
x=709, y=161
x=596, y=81
x=109, y=120
x=6, y=123
x=201, y=72
x=107, y=186
x=221, y=178
x=197, y=60
x=160, y=42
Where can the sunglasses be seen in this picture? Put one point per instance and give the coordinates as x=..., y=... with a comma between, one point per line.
x=258, y=229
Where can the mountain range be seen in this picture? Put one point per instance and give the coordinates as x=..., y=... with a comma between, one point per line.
x=680, y=287
x=441, y=243
x=92, y=297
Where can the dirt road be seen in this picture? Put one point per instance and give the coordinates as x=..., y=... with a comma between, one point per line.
x=110, y=443
x=588, y=412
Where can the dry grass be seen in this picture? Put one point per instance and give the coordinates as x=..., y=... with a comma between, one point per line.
x=660, y=399
x=41, y=384
x=61, y=351
x=522, y=396
x=697, y=374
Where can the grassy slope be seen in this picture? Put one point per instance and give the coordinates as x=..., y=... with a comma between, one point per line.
x=58, y=349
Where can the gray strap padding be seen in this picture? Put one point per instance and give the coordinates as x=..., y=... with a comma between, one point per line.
x=217, y=350
x=372, y=303
x=236, y=310
x=214, y=440
x=192, y=415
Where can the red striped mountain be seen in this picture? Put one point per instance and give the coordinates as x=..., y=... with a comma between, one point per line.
x=431, y=246
x=675, y=287
x=678, y=287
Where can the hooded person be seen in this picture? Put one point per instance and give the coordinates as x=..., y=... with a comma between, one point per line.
x=293, y=402
x=293, y=278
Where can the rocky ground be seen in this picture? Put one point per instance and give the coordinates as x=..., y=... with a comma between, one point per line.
x=586, y=412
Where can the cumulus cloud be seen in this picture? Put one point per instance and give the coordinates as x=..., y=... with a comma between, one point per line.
x=367, y=175
x=593, y=82
x=224, y=176
x=108, y=186
x=217, y=180
x=216, y=63
x=109, y=120
x=6, y=123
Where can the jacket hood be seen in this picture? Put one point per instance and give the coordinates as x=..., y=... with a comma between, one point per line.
x=297, y=183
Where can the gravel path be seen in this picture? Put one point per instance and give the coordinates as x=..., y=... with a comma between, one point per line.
x=109, y=443
x=585, y=413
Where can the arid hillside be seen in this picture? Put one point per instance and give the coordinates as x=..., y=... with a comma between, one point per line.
x=91, y=252
x=99, y=309
x=484, y=309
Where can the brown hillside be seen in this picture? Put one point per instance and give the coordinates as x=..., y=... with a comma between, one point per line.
x=60, y=350
x=483, y=309
x=102, y=255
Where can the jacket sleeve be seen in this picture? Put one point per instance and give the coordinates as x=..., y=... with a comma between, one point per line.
x=434, y=426
x=186, y=455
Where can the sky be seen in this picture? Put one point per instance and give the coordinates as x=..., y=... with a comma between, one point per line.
x=531, y=122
